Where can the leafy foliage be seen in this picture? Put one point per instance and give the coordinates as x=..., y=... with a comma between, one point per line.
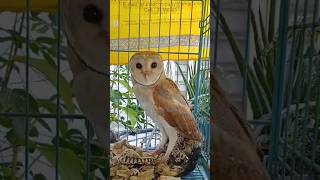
x=42, y=139
x=124, y=107
x=298, y=128
x=260, y=72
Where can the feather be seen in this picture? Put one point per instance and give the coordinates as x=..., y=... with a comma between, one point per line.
x=172, y=106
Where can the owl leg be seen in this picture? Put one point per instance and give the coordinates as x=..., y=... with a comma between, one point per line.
x=173, y=138
x=164, y=140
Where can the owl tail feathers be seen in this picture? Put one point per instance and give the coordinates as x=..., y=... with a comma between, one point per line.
x=196, y=136
x=193, y=135
x=192, y=162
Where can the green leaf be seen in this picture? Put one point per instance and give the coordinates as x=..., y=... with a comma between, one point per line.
x=44, y=124
x=43, y=29
x=132, y=116
x=272, y=14
x=126, y=85
x=263, y=33
x=50, y=73
x=63, y=127
x=35, y=26
x=70, y=166
x=262, y=79
x=35, y=48
x=5, y=122
x=256, y=35
x=14, y=101
x=34, y=132
x=46, y=40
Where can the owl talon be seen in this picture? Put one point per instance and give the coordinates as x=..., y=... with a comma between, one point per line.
x=157, y=152
x=164, y=160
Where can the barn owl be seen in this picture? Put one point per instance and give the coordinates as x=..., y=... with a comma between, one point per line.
x=85, y=29
x=162, y=101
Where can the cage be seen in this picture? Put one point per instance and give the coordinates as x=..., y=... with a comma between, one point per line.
x=43, y=132
x=40, y=121
x=180, y=32
x=278, y=63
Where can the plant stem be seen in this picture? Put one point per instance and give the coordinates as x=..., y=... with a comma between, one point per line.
x=14, y=162
x=6, y=148
x=12, y=52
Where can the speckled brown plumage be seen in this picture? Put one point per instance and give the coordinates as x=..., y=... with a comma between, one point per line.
x=177, y=113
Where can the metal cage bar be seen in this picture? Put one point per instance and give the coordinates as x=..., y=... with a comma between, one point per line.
x=143, y=17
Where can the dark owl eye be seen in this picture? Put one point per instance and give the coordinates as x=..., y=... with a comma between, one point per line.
x=138, y=65
x=92, y=14
x=154, y=65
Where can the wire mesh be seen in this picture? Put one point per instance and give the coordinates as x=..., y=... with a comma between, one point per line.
x=280, y=74
x=37, y=110
x=295, y=125
x=179, y=31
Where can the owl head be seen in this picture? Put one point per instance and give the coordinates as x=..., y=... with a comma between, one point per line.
x=86, y=30
x=146, y=67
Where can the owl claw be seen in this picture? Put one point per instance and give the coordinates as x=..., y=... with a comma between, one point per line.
x=157, y=152
x=163, y=160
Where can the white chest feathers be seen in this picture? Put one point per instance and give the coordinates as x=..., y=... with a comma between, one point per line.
x=145, y=97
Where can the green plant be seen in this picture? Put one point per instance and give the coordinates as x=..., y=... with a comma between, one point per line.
x=125, y=109
x=298, y=127
x=43, y=41
x=260, y=75
x=190, y=81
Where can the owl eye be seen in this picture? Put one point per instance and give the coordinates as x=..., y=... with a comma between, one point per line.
x=138, y=65
x=92, y=14
x=154, y=65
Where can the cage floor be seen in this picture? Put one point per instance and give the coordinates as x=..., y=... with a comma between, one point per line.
x=197, y=174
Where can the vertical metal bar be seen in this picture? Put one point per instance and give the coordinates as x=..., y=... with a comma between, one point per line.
x=146, y=122
x=190, y=35
x=169, y=32
x=289, y=87
x=128, y=72
x=137, y=109
x=138, y=104
x=216, y=32
x=107, y=21
x=198, y=67
x=179, y=42
x=160, y=11
x=202, y=50
x=246, y=63
x=27, y=91
x=118, y=69
x=300, y=77
x=57, y=145
x=138, y=50
x=311, y=57
x=88, y=149
x=277, y=101
x=306, y=112
x=139, y=25
x=149, y=24
x=316, y=123
x=297, y=101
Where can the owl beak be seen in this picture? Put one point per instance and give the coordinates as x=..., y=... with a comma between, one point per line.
x=145, y=75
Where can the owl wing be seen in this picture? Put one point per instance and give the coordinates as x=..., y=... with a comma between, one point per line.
x=173, y=107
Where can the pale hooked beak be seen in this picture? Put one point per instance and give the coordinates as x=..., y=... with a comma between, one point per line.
x=145, y=75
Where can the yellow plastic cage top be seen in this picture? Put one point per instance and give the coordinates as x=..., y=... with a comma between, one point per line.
x=171, y=27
